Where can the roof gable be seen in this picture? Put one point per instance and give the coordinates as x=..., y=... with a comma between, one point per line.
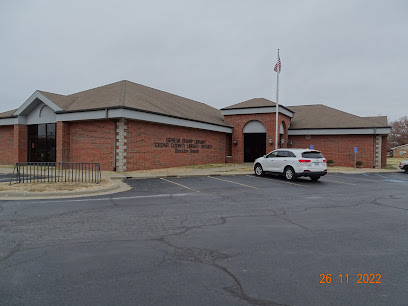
x=33, y=101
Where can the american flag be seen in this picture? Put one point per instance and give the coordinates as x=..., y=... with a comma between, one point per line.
x=278, y=65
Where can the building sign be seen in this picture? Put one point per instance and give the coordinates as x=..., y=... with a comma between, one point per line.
x=182, y=145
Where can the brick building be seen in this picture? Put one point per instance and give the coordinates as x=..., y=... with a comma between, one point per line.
x=400, y=151
x=126, y=126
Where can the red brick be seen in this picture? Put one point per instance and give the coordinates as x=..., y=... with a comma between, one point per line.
x=340, y=148
x=93, y=141
x=20, y=143
x=142, y=153
x=7, y=156
x=239, y=122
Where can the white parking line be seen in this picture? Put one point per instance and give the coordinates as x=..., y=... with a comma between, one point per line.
x=215, y=178
x=279, y=181
x=324, y=180
x=381, y=176
x=398, y=177
x=373, y=180
x=179, y=184
x=356, y=178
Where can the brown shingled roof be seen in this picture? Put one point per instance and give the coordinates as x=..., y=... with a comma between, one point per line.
x=8, y=114
x=380, y=120
x=256, y=102
x=138, y=97
x=324, y=117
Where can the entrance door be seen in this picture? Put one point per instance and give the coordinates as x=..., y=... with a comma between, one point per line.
x=41, y=143
x=254, y=146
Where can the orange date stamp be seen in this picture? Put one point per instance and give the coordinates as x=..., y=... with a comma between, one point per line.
x=344, y=278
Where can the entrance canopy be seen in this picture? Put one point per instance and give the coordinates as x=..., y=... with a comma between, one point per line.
x=254, y=126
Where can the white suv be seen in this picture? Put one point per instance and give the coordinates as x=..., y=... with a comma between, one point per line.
x=404, y=165
x=292, y=163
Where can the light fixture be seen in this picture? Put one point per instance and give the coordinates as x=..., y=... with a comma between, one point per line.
x=235, y=142
x=270, y=141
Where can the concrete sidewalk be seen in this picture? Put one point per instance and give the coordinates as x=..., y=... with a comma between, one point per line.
x=222, y=169
x=212, y=169
x=201, y=170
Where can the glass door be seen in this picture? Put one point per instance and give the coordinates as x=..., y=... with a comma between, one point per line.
x=42, y=142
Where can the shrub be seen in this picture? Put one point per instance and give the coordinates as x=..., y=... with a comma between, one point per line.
x=330, y=162
x=359, y=163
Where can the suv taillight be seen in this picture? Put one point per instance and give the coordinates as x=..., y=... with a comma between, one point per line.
x=325, y=161
x=305, y=161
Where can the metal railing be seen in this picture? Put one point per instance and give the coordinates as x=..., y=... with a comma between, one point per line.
x=44, y=172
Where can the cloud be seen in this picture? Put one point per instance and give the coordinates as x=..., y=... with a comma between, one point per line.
x=349, y=55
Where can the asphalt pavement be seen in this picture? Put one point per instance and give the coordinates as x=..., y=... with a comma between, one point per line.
x=212, y=240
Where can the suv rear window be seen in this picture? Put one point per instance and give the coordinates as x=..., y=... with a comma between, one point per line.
x=312, y=154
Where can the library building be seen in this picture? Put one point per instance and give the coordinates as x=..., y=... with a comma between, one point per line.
x=125, y=126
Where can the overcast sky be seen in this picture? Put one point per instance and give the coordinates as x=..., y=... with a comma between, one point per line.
x=348, y=54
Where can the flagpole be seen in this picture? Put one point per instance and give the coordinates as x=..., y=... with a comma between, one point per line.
x=277, y=105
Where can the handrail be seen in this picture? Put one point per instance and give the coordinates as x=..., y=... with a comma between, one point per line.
x=41, y=172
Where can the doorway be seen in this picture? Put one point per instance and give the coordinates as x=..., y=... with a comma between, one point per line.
x=254, y=140
x=254, y=146
x=41, y=143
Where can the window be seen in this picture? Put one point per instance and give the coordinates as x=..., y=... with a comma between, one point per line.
x=312, y=154
x=228, y=144
x=282, y=154
x=285, y=154
x=272, y=154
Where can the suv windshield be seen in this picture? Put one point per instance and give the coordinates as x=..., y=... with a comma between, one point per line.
x=312, y=154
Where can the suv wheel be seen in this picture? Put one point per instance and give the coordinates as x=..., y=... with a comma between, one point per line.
x=289, y=173
x=258, y=170
x=406, y=169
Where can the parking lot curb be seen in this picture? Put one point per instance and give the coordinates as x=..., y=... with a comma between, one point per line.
x=118, y=186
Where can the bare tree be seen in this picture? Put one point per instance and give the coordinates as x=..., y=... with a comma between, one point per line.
x=399, y=133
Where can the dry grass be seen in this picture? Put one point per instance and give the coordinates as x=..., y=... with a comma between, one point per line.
x=395, y=161
x=7, y=166
x=54, y=187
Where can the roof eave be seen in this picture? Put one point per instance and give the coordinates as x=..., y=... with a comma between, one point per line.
x=226, y=108
x=343, y=128
x=139, y=110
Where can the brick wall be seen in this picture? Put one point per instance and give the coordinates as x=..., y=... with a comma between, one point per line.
x=93, y=141
x=63, y=141
x=153, y=146
x=403, y=149
x=340, y=148
x=384, y=151
x=20, y=143
x=239, y=122
x=7, y=145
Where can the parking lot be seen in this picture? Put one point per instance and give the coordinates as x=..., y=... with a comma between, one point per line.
x=224, y=240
